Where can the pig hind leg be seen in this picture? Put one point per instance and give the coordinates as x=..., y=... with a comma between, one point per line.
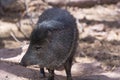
x=67, y=67
x=51, y=74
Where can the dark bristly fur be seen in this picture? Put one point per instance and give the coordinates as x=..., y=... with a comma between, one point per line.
x=53, y=42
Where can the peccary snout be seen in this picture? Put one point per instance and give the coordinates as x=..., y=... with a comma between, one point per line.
x=29, y=58
x=23, y=64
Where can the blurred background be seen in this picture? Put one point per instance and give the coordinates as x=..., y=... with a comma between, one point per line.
x=98, y=22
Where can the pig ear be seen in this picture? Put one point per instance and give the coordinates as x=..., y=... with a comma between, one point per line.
x=49, y=33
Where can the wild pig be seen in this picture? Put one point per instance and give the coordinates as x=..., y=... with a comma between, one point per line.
x=53, y=42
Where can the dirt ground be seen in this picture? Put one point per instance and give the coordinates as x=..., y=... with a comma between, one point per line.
x=84, y=68
x=98, y=52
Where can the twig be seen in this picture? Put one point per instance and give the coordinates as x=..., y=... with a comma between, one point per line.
x=14, y=37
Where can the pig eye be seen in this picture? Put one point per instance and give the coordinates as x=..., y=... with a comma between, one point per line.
x=37, y=47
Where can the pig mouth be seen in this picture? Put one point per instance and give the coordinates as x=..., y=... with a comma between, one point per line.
x=22, y=64
x=27, y=63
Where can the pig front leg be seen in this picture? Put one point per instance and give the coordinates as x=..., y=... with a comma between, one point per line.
x=42, y=73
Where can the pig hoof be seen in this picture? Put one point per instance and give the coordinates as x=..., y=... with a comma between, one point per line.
x=69, y=78
x=50, y=78
x=42, y=75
